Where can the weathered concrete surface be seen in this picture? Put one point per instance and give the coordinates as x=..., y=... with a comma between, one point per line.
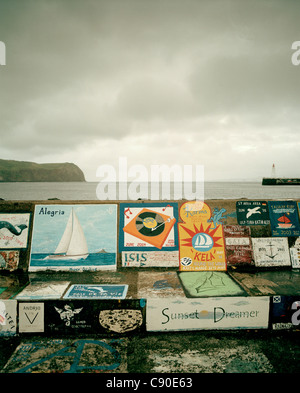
x=197, y=352
x=276, y=282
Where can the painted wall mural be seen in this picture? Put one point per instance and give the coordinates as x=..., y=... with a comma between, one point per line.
x=284, y=218
x=208, y=313
x=295, y=254
x=285, y=312
x=14, y=230
x=201, y=239
x=205, y=284
x=97, y=291
x=39, y=289
x=8, y=317
x=74, y=237
x=271, y=251
x=252, y=213
x=238, y=245
x=159, y=284
x=148, y=234
x=9, y=260
x=69, y=356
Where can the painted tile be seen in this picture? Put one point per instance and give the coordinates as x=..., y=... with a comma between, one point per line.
x=159, y=284
x=95, y=316
x=69, y=356
x=31, y=317
x=295, y=254
x=231, y=359
x=12, y=284
x=2, y=289
x=285, y=312
x=40, y=290
x=284, y=218
x=8, y=317
x=9, y=260
x=94, y=291
x=271, y=252
x=252, y=213
x=269, y=282
x=14, y=229
x=201, y=243
x=238, y=245
x=150, y=259
x=148, y=234
x=205, y=284
x=207, y=313
x=222, y=212
x=74, y=238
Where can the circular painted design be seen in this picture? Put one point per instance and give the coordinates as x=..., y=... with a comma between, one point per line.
x=202, y=242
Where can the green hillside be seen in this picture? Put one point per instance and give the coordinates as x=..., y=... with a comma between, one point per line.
x=24, y=171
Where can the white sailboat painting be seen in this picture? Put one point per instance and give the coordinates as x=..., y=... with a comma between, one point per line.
x=74, y=237
x=73, y=243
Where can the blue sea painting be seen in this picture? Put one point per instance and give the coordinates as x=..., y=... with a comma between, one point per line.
x=74, y=238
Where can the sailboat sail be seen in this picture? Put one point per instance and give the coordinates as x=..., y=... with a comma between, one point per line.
x=77, y=245
x=72, y=243
x=66, y=237
x=284, y=219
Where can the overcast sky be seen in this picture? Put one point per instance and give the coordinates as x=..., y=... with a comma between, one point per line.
x=157, y=81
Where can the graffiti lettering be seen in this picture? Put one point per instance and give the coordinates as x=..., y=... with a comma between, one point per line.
x=75, y=356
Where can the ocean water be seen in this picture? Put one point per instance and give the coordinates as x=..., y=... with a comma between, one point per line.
x=83, y=191
x=92, y=261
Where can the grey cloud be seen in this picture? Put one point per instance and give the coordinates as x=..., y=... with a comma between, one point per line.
x=79, y=71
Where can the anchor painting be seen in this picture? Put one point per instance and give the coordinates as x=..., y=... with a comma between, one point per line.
x=74, y=237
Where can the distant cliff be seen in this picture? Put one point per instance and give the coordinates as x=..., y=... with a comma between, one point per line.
x=24, y=171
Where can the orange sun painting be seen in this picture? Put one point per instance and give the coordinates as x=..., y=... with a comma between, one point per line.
x=202, y=237
x=201, y=248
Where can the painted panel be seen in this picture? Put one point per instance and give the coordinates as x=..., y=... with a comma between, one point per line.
x=284, y=218
x=96, y=291
x=31, y=317
x=150, y=259
x=269, y=282
x=238, y=245
x=14, y=230
x=148, y=234
x=271, y=252
x=8, y=317
x=69, y=356
x=285, y=312
x=39, y=289
x=222, y=212
x=205, y=284
x=252, y=213
x=95, y=316
x=74, y=238
x=201, y=242
x=159, y=284
x=295, y=254
x=201, y=358
x=9, y=260
x=207, y=313
x=11, y=284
